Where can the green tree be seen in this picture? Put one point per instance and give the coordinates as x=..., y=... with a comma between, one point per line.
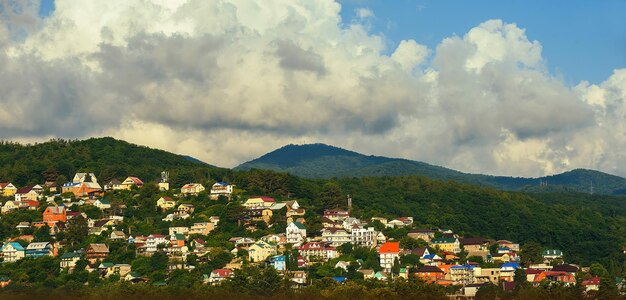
x=530, y=252
x=77, y=230
x=332, y=196
x=42, y=234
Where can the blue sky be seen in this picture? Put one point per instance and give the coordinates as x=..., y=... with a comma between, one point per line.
x=582, y=40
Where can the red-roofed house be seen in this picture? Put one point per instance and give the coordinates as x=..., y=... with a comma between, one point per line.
x=7, y=189
x=566, y=278
x=336, y=214
x=430, y=273
x=259, y=202
x=130, y=182
x=219, y=275
x=388, y=252
x=54, y=214
x=27, y=193
x=591, y=284
x=29, y=204
x=192, y=189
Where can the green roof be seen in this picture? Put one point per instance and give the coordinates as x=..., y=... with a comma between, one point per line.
x=4, y=278
x=553, y=252
x=179, y=236
x=70, y=255
x=107, y=264
x=299, y=225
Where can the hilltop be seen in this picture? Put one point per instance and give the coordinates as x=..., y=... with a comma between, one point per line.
x=325, y=161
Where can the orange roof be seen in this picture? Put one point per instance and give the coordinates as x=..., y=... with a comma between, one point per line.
x=390, y=247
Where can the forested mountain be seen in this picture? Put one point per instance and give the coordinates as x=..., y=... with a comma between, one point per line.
x=324, y=161
x=58, y=160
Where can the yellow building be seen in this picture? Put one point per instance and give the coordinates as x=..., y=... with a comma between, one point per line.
x=7, y=189
x=130, y=182
x=261, y=250
x=259, y=202
x=447, y=244
x=166, y=203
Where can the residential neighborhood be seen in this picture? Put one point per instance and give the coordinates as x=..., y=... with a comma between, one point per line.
x=391, y=248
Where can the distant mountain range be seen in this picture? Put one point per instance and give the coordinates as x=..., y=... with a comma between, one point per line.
x=324, y=161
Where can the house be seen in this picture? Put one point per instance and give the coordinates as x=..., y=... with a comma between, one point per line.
x=420, y=252
x=23, y=225
x=102, y=204
x=12, y=252
x=296, y=233
x=298, y=277
x=219, y=275
x=259, y=202
x=186, y=208
x=153, y=241
x=178, y=229
x=379, y=219
x=177, y=240
x=214, y=220
x=83, y=189
x=39, y=249
x=192, y=189
x=342, y=264
x=462, y=274
x=221, y=189
x=260, y=214
x=28, y=204
x=131, y=181
x=367, y=273
x=552, y=255
x=449, y=244
x=117, y=235
x=294, y=210
x=51, y=186
x=10, y=206
x=508, y=244
x=122, y=270
x=336, y=215
x=165, y=203
x=114, y=184
x=484, y=275
x=430, y=273
x=553, y=276
x=400, y=222
x=278, y=239
x=507, y=271
x=388, y=253
x=317, y=251
x=68, y=260
x=591, y=284
x=96, y=252
x=85, y=177
x=363, y=237
x=7, y=189
x=27, y=193
x=475, y=246
x=565, y=268
x=278, y=262
x=336, y=236
x=424, y=234
x=260, y=251
x=202, y=228
x=54, y=214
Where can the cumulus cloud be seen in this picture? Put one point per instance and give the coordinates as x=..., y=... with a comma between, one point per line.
x=229, y=80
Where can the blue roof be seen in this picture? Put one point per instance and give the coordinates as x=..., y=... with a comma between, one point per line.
x=221, y=183
x=504, y=248
x=15, y=245
x=470, y=267
x=513, y=265
x=429, y=256
x=339, y=279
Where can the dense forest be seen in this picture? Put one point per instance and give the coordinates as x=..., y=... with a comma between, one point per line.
x=587, y=228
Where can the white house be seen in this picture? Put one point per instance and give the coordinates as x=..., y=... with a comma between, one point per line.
x=221, y=189
x=12, y=252
x=296, y=233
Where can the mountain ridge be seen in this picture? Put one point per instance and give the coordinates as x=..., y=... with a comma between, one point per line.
x=326, y=161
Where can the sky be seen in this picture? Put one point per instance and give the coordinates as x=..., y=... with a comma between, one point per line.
x=522, y=88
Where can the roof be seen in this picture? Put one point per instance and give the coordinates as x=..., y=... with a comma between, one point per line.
x=552, y=252
x=264, y=198
x=15, y=245
x=69, y=255
x=221, y=183
x=592, y=281
x=136, y=180
x=57, y=210
x=565, y=268
x=390, y=247
x=513, y=265
x=25, y=190
x=429, y=269
x=419, y=251
x=299, y=225
x=472, y=241
x=102, y=248
x=4, y=184
x=222, y=272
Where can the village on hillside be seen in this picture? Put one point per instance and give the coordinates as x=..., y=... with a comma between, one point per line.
x=85, y=225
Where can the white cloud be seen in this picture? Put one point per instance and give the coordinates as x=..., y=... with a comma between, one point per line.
x=229, y=80
x=364, y=13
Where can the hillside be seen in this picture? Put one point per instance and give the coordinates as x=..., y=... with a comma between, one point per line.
x=109, y=158
x=324, y=161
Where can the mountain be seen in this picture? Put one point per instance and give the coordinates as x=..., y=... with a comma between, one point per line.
x=107, y=157
x=324, y=161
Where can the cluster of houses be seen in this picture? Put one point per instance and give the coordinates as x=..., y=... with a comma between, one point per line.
x=443, y=262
